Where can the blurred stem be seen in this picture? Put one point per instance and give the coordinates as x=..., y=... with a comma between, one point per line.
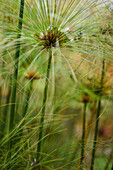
x=44, y=106
x=6, y=109
x=26, y=105
x=28, y=97
x=83, y=134
x=15, y=75
x=87, y=132
x=0, y=97
x=25, y=110
x=90, y=121
x=109, y=159
x=98, y=114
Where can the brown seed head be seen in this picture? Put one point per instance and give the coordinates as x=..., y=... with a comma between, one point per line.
x=106, y=29
x=85, y=98
x=50, y=38
x=32, y=75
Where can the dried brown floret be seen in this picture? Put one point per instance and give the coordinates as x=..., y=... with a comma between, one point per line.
x=33, y=75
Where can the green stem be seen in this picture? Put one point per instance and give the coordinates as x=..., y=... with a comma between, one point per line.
x=6, y=109
x=98, y=114
x=26, y=106
x=0, y=97
x=109, y=159
x=44, y=106
x=15, y=75
x=25, y=111
x=28, y=97
x=83, y=134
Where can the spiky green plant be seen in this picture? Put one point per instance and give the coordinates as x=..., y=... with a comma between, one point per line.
x=46, y=32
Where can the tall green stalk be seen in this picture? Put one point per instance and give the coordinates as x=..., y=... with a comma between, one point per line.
x=98, y=114
x=25, y=110
x=6, y=109
x=83, y=135
x=44, y=106
x=109, y=160
x=28, y=97
x=15, y=75
x=112, y=167
x=26, y=106
x=0, y=97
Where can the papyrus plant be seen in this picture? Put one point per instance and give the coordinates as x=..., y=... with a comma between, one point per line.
x=48, y=26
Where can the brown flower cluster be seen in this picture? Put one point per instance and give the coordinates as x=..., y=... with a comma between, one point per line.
x=51, y=37
x=32, y=75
